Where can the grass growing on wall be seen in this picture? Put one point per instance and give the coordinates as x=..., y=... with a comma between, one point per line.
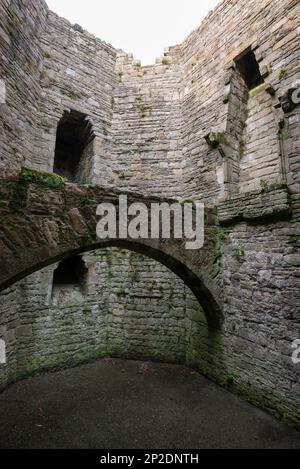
x=28, y=176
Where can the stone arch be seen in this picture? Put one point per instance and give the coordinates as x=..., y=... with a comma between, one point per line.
x=46, y=220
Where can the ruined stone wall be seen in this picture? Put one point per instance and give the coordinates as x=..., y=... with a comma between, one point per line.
x=132, y=307
x=78, y=74
x=50, y=66
x=208, y=102
x=9, y=304
x=21, y=28
x=150, y=122
x=260, y=162
x=259, y=264
x=261, y=268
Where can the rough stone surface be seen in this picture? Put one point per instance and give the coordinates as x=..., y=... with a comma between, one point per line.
x=47, y=223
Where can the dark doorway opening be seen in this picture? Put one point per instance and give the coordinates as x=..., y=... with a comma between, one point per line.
x=73, y=138
x=248, y=67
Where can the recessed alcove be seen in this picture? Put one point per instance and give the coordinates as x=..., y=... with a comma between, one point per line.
x=253, y=159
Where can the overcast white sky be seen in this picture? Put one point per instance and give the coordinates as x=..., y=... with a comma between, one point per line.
x=143, y=27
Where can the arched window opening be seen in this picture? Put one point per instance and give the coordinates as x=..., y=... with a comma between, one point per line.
x=74, y=147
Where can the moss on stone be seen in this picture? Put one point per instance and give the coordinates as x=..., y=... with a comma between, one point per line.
x=135, y=276
x=222, y=234
x=121, y=292
x=73, y=94
x=264, y=186
x=256, y=90
x=282, y=74
x=189, y=202
x=230, y=379
x=217, y=250
x=294, y=238
x=239, y=253
x=215, y=139
x=143, y=108
x=282, y=136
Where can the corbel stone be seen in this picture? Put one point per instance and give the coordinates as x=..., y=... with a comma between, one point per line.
x=215, y=139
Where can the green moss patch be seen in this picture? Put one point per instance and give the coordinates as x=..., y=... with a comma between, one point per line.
x=27, y=175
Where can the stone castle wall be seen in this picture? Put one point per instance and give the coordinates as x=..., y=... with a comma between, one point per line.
x=182, y=128
x=211, y=103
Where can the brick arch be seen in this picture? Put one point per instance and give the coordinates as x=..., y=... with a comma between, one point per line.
x=44, y=220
